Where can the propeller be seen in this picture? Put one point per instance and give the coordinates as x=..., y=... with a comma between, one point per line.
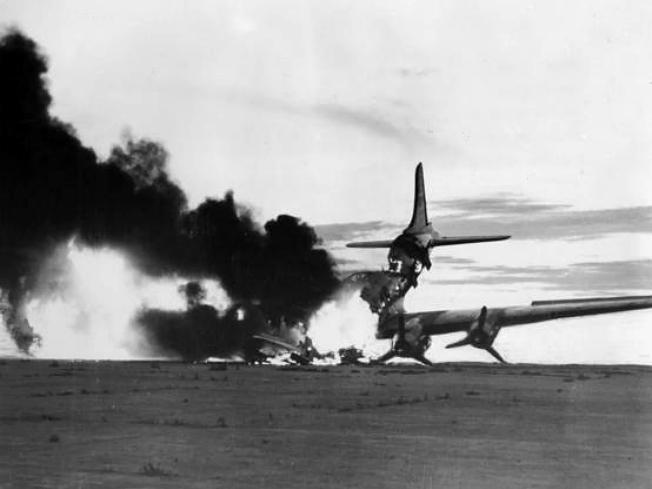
x=401, y=346
x=481, y=335
x=398, y=345
x=401, y=343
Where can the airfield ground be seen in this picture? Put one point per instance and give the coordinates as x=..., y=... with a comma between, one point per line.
x=172, y=425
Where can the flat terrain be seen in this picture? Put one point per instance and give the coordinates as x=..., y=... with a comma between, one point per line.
x=158, y=424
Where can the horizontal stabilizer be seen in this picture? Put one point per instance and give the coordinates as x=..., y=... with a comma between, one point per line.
x=370, y=244
x=455, y=240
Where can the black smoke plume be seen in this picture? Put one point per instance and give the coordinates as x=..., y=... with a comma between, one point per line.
x=202, y=331
x=53, y=188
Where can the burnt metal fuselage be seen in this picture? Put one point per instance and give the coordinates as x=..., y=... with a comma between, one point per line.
x=385, y=290
x=410, y=252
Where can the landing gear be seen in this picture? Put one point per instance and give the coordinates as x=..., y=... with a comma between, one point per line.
x=482, y=335
x=402, y=347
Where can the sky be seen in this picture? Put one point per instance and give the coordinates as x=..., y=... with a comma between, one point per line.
x=531, y=118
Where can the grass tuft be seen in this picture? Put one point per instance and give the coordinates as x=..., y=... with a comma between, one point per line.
x=155, y=470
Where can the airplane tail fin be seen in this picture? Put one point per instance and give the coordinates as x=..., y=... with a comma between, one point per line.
x=419, y=210
x=419, y=214
x=419, y=224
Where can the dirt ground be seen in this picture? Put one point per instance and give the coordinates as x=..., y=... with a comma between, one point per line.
x=158, y=424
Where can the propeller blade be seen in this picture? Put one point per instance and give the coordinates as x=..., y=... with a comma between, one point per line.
x=495, y=354
x=401, y=345
x=462, y=342
x=401, y=327
x=482, y=317
x=421, y=358
x=383, y=358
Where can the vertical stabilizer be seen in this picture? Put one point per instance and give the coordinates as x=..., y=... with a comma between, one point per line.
x=419, y=212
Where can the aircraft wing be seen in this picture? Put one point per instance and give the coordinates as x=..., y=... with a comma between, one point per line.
x=443, y=322
x=370, y=244
x=455, y=240
x=276, y=341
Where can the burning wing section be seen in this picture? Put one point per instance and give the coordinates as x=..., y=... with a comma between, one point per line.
x=264, y=345
x=483, y=325
x=276, y=342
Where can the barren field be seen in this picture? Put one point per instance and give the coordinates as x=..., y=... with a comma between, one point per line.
x=158, y=424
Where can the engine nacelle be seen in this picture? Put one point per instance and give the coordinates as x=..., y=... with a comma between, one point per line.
x=482, y=334
x=484, y=330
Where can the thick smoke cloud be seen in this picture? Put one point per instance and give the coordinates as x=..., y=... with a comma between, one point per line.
x=52, y=188
x=202, y=331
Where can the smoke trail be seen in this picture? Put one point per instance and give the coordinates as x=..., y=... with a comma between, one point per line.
x=52, y=187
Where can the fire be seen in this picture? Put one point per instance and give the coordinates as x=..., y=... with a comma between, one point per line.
x=88, y=299
x=345, y=322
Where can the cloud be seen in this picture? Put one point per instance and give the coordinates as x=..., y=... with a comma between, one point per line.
x=603, y=277
x=507, y=205
x=370, y=121
x=451, y=260
x=616, y=275
x=416, y=72
x=526, y=219
x=351, y=231
x=521, y=218
x=362, y=119
x=346, y=268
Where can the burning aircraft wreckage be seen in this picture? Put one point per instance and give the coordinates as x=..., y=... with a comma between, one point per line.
x=54, y=190
x=410, y=332
x=70, y=222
